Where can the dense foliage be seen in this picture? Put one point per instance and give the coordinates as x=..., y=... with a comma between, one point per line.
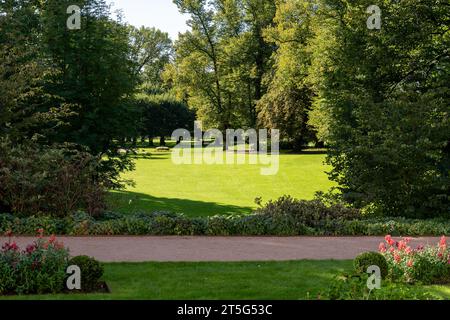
x=312, y=69
x=36, y=180
x=383, y=98
x=302, y=218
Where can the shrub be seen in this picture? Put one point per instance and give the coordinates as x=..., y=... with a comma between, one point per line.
x=367, y=259
x=354, y=287
x=39, y=269
x=429, y=265
x=91, y=272
x=51, y=181
x=313, y=213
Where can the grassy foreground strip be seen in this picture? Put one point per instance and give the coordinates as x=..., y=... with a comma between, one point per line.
x=218, y=280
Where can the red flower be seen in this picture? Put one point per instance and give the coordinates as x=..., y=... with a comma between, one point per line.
x=440, y=255
x=10, y=246
x=420, y=247
x=409, y=263
x=408, y=250
x=382, y=247
x=9, y=233
x=407, y=239
x=30, y=248
x=391, y=249
x=397, y=258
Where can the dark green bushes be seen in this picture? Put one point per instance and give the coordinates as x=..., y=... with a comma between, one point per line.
x=161, y=223
x=91, y=272
x=367, y=259
x=49, y=181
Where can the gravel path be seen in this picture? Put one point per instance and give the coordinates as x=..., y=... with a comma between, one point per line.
x=137, y=249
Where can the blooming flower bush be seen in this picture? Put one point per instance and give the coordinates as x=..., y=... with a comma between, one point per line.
x=428, y=265
x=39, y=268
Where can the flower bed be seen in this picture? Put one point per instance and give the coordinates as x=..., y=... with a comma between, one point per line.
x=40, y=268
x=428, y=265
x=403, y=270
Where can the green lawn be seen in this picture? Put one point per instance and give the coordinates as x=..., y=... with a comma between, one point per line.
x=214, y=280
x=218, y=280
x=201, y=190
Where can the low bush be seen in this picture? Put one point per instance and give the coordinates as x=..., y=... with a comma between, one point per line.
x=367, y=259
x=354, y=287
x=39, y=269
x=91, y=272
x=313, y=214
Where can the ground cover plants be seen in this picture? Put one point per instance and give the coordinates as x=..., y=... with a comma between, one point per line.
x=283, y=217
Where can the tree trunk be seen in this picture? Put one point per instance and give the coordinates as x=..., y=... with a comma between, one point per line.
x=162, y=141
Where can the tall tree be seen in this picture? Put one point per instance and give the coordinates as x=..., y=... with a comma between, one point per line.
x=288, y=101
x=152, y=50
x=221, y=61
x=95, y=73
x=385, y=93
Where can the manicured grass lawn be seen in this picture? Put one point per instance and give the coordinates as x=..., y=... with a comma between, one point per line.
x=291, y=280
x=202, y=190
x=214, y=280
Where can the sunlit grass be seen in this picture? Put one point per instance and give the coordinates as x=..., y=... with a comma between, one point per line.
x=200, y=190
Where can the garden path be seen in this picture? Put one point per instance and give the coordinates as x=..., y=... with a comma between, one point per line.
x=138, y=249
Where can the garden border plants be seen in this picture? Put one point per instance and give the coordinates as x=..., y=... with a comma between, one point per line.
x=283, y=217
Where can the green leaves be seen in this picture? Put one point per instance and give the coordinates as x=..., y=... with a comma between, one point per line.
x=382, y=97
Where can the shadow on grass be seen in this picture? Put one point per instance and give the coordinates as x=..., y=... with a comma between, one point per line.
x=129, y=202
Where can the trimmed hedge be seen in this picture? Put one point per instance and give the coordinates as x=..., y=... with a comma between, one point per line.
x=257, y=224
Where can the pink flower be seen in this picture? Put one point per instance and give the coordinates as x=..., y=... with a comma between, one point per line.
x=52, y=239
x=59, y=245
x=40, y=232
x=443, y=242
x=391, y=249
x=401, y=245
x=382, y=247
x=420, y=247
x=389, y=240
x=397, y=258
x=409, y=263
x=408, y=250
x=407, y=239
x=448, y=262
